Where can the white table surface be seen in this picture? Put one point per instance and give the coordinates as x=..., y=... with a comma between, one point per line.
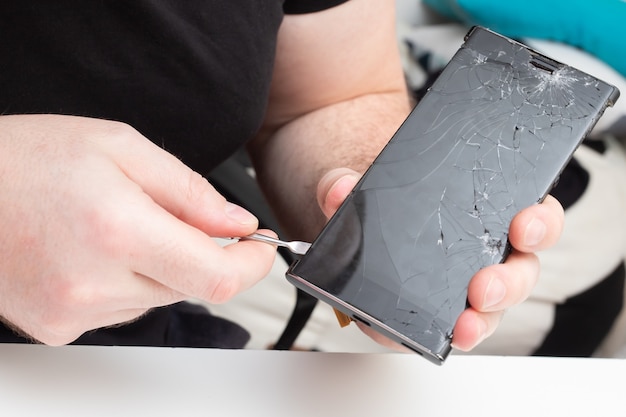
x=115, y=381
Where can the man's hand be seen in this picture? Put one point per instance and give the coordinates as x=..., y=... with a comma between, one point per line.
x=99, y=225
x=493, y=289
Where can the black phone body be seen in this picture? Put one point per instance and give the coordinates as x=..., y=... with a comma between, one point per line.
x=488, y=139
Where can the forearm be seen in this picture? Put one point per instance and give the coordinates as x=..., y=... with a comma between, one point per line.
x=338, y=94
x=290, y=162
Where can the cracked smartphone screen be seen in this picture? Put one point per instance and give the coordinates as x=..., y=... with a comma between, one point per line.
x=489, y=139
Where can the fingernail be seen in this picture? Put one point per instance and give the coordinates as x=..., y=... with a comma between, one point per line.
x=535, y=232
x=482, y=330
x=350, y=179
x=239, y=214
x=496, y=290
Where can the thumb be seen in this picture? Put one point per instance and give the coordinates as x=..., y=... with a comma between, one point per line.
x=178, y=189
x=334, y=187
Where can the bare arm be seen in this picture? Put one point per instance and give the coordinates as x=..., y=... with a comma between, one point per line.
x=338, y=95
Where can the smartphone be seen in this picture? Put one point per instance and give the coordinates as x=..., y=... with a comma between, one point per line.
x=488, y=139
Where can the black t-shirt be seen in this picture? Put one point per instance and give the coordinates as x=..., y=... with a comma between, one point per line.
x=193, y=76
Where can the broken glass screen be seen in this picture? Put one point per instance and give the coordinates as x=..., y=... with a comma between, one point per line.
x=488, y=139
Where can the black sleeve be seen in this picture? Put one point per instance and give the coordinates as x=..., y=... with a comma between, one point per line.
x=309, y=6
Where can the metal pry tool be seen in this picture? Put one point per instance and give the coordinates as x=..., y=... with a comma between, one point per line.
x=297, y=247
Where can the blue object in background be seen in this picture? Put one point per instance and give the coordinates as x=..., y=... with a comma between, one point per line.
x=594, y=26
